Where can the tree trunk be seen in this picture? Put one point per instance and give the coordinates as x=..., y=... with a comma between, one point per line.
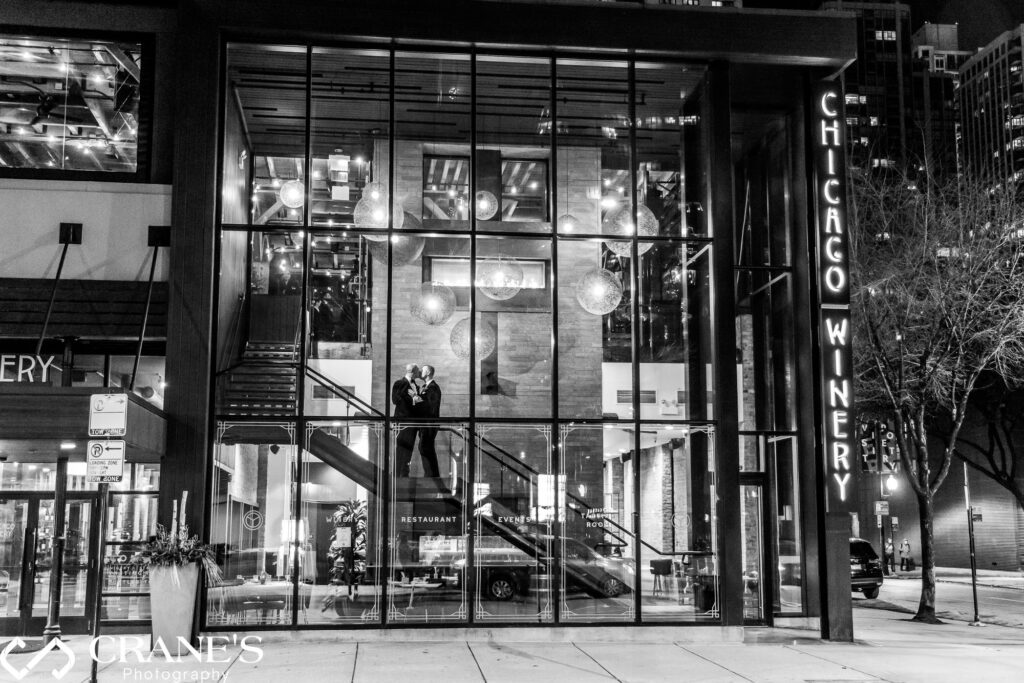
x=926, y=607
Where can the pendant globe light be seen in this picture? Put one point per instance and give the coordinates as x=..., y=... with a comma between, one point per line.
x=372, y=211
x=568, y=223
x=292, y=194
x=435, y=304
x=486, y=339
x=500, y=279
x=405, y=248
x=598, y=291
x=486, y=205
x=619, y=222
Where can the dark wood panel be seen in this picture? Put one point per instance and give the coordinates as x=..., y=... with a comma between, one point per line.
x=92, y=309
x=52, y=414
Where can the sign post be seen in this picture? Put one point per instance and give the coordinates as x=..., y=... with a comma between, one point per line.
x=970, y=533
x=108, y=416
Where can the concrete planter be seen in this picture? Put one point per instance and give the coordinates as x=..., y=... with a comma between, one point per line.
x=172, y=599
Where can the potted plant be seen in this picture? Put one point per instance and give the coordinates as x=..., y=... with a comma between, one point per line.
x=176, y=558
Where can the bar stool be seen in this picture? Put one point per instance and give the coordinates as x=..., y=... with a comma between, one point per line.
x=660, y=568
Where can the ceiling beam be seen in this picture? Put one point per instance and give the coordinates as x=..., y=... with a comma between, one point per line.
x=126, y=62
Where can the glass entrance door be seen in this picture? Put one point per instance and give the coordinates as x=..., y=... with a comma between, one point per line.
x=27, y=535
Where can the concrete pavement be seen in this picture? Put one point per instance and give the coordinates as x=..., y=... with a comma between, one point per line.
x=889, y=647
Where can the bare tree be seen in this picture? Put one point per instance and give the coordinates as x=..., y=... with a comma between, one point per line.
x=995, y=450
x=937, y=291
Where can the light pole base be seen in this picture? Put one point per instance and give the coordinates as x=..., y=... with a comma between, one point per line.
x=977, y=623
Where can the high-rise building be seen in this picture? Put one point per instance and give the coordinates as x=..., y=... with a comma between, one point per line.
x=992, y=108
x=879, y=85
x=931, y=136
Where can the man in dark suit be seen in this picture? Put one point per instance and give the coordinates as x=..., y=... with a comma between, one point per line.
x=405, y=394
x=431, y=409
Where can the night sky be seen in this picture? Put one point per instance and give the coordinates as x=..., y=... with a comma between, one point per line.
x=980, y=20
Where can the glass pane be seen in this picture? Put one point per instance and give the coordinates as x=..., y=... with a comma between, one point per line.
x=513, y=545
x=72, y=104
x=676, y=340
x=265, y=135
x=349, y=138
x=592, y=130
x=259, y=323
x=765, y=233
x=429, y=328
x=594, y=493
x=75, y=577
x=149, y=380
x=432, y=128
x=513, y=326
x=765, y=337
x=750, y=519
x=668, y=127
x=513, y=147
x=131, y=517
x=126, y=608
x=259, y=541
x=595, y=343
x=782, y=451
x=13, y=525
x=341, y=478
x=429, y=522
x=125, y=569
x=347, y=317
x=677, y=497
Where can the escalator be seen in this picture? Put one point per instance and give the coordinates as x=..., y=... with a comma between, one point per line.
x=334, y=453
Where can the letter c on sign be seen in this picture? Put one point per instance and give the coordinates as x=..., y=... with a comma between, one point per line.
x=826, y=108
x=829, y=190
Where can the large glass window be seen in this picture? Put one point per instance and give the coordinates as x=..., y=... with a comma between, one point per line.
x=496, y=276
x=70, y=104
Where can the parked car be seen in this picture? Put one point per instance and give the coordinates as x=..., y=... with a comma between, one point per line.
x=865, y=568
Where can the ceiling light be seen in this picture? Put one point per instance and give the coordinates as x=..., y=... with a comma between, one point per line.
x=292, y=193
x=98, y=79
x=67, y=445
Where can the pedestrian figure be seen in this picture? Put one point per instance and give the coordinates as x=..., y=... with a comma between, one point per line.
x=889, y=555
x=905, y=555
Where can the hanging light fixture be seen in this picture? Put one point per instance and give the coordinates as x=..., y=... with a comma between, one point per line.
x=485, y=339
x=292, y=194
x=568, y=223
x=619, y=222
x=405, y=248
x=372, y=211
x=500, y=279
x=486, y=205
x=598, y=291
x=435, y=304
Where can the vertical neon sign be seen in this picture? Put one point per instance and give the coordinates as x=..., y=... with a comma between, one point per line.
x=828, y=139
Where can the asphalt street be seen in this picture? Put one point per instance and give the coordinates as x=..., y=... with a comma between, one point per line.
x=1003, y=606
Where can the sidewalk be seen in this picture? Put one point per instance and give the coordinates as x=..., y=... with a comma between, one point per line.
x=889, y=648
x=991, y=578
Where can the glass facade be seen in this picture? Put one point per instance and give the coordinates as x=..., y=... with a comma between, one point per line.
x=70, y=104
x=465, y=350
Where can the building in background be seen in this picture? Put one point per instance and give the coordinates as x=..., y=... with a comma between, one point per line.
x=992, y=110
x=879, y=85
x=934, y=115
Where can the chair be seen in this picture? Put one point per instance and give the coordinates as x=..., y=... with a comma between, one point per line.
x=660, y=568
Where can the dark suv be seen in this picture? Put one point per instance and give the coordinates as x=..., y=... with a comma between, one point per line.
x=865, y=568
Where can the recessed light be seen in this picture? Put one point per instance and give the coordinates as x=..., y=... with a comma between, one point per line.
x=67, y=445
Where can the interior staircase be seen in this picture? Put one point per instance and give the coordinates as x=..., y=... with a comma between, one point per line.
x=263, y=384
